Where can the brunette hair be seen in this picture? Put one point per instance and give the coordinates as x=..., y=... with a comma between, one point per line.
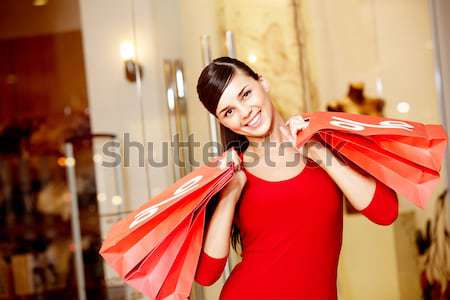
x=211, y=84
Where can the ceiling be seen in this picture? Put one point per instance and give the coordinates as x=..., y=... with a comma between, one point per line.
x=20, y=18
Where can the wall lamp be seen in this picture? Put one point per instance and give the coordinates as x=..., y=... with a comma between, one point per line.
x=132, y=68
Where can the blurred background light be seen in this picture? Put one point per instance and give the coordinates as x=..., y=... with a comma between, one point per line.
x=40, y=2
x=171, y=99
x=127, y=50
x=101, y=197
x=116, y=200
x=403, y=107
x=180, y=83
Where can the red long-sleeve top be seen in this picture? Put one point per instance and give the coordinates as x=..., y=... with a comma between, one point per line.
x=291, y=234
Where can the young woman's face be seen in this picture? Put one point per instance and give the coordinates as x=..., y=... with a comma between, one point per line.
x=245, y=107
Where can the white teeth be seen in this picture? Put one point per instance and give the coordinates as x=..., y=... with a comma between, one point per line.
x=255, y=120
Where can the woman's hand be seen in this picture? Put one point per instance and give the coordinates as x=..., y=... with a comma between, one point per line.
x=217, y=240
x=291, y=129
x=296, y=124
x=239, y=179
x=312, y=149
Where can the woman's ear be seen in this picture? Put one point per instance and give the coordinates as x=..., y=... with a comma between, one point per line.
x=264, y=84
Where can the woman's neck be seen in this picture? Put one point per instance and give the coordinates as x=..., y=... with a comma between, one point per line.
x=274, y=136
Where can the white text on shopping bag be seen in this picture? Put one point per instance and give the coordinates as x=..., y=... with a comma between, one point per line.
x=180, y=191
x=359, y=126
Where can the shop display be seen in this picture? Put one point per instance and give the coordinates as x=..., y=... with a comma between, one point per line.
x=35, y=214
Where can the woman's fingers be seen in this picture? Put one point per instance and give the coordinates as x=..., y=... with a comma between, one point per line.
x=295, y=124
x=233, y=158
x=236, y=161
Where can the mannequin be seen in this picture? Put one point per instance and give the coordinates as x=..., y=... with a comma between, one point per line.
x=356, y=102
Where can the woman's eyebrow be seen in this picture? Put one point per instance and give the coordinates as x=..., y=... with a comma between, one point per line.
x=240, y=93
x=223, y=109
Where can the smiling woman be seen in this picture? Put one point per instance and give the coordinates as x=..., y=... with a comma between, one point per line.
x=290, y=234
x=244, y=106
x=210, y=91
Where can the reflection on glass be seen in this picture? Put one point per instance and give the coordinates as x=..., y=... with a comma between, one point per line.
x=43, y=103
x=176, y=102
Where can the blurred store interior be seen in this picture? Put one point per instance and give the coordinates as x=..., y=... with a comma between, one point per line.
x=76, y=74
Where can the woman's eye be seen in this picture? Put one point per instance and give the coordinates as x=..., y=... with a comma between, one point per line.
x=226, y=113
x=246, y=94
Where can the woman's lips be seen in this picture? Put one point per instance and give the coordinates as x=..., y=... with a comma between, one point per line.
x=256, y=121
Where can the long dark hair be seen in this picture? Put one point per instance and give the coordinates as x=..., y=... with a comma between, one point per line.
x=211, y=84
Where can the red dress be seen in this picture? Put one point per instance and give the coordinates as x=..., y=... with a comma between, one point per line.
x=291, y=234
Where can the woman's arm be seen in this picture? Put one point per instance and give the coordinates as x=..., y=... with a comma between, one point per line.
x=358, y=189
x=215, y=250
x=371, y=197
x=366, y=194
x=217, y=241
x=383, y=208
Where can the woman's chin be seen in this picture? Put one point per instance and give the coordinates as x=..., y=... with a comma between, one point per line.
x=260, y=131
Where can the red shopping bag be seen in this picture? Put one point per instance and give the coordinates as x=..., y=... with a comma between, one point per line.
x=125, y=256
x=368, y=126
x=150, y=274
x=132, y=238
x=180, y=278
x=407, y=178
x=422, y=151
x=178, y=283
x=406, y=156
x=148, y=244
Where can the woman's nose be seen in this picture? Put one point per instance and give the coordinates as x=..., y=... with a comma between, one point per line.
x=246, y=111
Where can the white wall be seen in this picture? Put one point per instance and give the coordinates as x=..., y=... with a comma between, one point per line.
x=440, y=11
x=198, y=18
x=360, y=40
x=114, y=102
